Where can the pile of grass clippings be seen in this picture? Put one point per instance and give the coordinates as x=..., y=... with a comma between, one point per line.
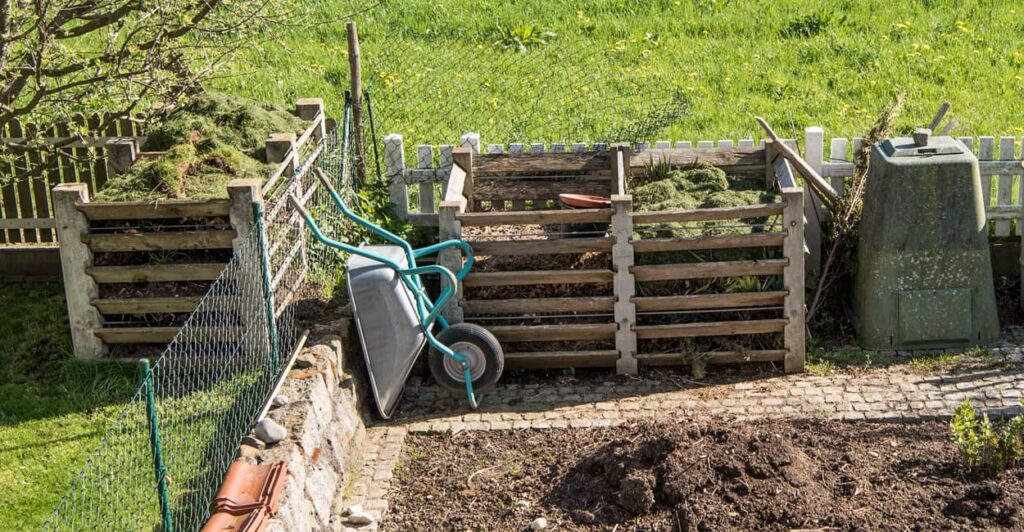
x=208, y=141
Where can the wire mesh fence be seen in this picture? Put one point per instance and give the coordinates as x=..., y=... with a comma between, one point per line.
x=161, y=463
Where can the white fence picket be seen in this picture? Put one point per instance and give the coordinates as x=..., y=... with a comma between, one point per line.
x=425, y=160
x=1004, y=194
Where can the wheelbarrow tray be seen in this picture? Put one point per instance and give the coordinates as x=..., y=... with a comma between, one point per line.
x=389, y=326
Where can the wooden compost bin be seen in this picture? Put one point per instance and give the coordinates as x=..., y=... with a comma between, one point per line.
x=557, y=299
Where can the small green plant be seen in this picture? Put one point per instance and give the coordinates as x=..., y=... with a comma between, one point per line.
x=522, y=38
x=809, y=25
x=982, y=445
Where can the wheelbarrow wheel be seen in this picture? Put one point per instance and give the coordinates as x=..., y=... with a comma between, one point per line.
x=475, y=343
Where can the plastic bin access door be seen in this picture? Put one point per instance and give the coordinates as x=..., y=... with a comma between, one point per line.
x=389, y=327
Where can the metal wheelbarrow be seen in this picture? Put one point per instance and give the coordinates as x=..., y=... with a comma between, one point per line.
x=396, y=317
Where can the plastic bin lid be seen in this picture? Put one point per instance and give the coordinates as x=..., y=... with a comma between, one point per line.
x=585, y=201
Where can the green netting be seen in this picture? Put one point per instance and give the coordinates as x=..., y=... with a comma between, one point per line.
x=211, y=382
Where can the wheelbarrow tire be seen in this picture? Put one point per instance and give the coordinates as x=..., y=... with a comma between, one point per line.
x=476, y=342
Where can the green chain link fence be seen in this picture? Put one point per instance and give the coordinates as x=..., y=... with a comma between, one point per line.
x=159, y=466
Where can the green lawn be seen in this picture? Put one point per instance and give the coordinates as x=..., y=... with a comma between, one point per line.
x=437, y=68
x=53, y=410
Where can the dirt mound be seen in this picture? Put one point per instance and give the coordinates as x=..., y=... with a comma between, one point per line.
x=209, y=141
x=706, y=476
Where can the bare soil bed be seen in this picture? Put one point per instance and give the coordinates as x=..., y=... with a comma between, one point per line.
x=701, y=475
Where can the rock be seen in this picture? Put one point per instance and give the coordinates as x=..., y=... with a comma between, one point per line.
x=248, y=451
x=354, y=509
x=269, y=431
x=539, y=524
x=872, y=454
x=582, y=517
x=252, y=441
x=355, y=515
x=523, y=504
x=305, y=360
x=280, y=400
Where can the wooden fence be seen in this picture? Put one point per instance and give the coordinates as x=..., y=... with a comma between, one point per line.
x=587, y=312
x=88, y=150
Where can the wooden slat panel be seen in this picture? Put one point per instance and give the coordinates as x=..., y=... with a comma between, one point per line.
x=746, y=160
x=543, y=189
x=712, y=357
x=41, y=185
x=1004, y=190
x=708, y=242
x=709, y=301
x=100, y=243
x=137, y=335
x=156, y=273
x=23, y=186
x=701, y=215
x=541, y=247
x=540, y=217
x=519, y=278
x=533, y=163
x=710, y=328
x=145, y=210
x=550, y=333
x=27, y=223
x=561, y=359
x=144, y=305
x=476, y=307
x=706, y=270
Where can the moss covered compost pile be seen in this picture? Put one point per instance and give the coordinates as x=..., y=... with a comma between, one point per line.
x=700, y=186
x=209, y=141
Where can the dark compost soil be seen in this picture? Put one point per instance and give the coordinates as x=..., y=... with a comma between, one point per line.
x=704, y=475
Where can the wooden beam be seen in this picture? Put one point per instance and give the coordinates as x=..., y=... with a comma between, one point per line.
x=137, y=335
x=149, y=273
x=101, y=243
x=709, y=328
x=708, y=270
x=544, y=305
x=561, y=359
x=146, y=305
x=456, y=182
x=519, y=278
x=535, y=163
x=537, y=189
x=148, y=210
x=751, y=240
x=709, y=301
x=712, y=357
x=732, y=160
x=551, y=246
x=550, y=333
x=539, y=217
x=702, y=215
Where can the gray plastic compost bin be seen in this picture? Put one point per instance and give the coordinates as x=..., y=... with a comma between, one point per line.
x=924, y=276
x=389, y=327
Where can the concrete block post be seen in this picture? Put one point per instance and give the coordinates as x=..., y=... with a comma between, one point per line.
x=464, y=158
x=624, y=284
x=793, y=279
x=310, y=109
x=279, y=145
x=120, y=155
x=75, y=256
x=394, y=169
x=243, y=193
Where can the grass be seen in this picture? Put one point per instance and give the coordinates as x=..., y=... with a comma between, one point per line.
x=440, y=68
x=53, y=410
x=823, y=362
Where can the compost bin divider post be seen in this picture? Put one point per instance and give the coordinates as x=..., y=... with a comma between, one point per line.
x=793, y=277
x=450, y=228
x=80, y=289
x=156, y=447
x=623, y=283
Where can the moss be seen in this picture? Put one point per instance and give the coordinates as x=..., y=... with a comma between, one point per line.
x=209, y=141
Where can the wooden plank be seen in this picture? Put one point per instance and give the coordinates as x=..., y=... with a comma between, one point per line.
x=649, y=245
x=709, y=301
x=519, y=278
x=456, y=183
x=425, y=160
x=540, y=217
x=544, y=305
x=999, y=212
x=837, y=155
x=732, y=160
x=539, y=189
x=991, y=168
x=701, y=215
x=148, y=210
x=147, y=305
x=534, y=163
x=27, y=223
x=709, y=328
x=794, y=280
x=561, y=359
x=156, y=273
x=102, y=243
x=552, y=333
x=986, y=152
x=23, y=186
x=137, y=335
x=707, y=270
x=712, y=357
x=1004, y=192
x=551, y=246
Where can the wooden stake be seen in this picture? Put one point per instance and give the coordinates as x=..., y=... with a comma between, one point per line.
x=356, y=71
x=821, y=188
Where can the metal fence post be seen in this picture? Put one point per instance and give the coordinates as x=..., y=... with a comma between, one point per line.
x=373, y=133
x=268, y=293
x=154, y=442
